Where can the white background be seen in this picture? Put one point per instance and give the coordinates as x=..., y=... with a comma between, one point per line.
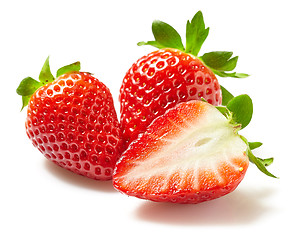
x=42, y=201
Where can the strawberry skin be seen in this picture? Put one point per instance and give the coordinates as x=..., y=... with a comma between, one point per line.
x=173, y=74
x=72, y=121
x=190, y=154
x=159, y=81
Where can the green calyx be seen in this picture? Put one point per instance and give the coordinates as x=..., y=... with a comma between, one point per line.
x=29, y=85
x=239, y=110
x=220, y=62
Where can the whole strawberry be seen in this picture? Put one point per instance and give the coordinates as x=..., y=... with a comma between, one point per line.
x=72, y=120
x=173, y=74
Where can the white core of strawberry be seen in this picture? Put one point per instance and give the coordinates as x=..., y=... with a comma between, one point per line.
x=202, y=145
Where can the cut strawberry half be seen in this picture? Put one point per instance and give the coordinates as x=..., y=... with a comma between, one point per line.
x=191, y=154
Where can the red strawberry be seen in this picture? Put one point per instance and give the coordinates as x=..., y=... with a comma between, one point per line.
x=190, y=154
x=174, y=74
x=72, y=121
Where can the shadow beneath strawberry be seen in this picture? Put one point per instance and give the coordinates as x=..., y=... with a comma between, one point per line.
x=238, y=208
x=78, y=180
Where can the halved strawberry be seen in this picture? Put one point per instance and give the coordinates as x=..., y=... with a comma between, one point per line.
x=192, y=153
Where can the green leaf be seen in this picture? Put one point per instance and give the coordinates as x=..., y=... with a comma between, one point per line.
x=28, y=86
x=254, y=145
x=165, y=36
x=25, y=100
x=196, y=34
x=220, y=62
x=266, y=161
x=226, y=96
x=241, y=75
x=242, y=109
x=259, y=163
x=151, y=43
x=45, y=75
x=230, y=64
x=232, y=74
x=74, y=67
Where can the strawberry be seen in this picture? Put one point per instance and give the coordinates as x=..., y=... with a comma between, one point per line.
x=72, y=120
x=190, y=154
x=173, y=74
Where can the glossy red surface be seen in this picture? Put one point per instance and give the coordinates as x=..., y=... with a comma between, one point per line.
x=72, y=121
x=159, y=81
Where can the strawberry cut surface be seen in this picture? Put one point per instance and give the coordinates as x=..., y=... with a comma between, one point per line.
x=158, y=82
x=72, y=121
x=190, y=154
